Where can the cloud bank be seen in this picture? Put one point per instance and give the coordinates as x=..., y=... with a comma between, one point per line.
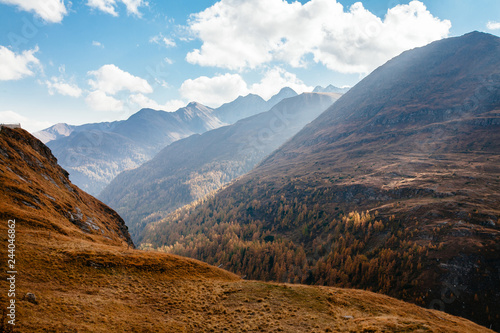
x=242, y=34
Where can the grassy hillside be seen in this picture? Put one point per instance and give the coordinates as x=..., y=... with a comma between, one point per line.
x=89, y=287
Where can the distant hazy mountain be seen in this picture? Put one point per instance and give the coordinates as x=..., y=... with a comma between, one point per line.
x=246, y=106
x=281, y=95
x=62, y=130
x=54, y=132
x=190, y=168
x=242, y=107
x=331, y=89
x=94, y=154
x=395, y=188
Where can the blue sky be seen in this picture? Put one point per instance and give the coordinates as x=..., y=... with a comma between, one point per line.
x=102, y=60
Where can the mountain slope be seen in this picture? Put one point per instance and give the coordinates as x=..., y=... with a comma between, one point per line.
x=95, y=153
x=191, y=168
x=35, y=187
x=72, y=277
x=395, y=189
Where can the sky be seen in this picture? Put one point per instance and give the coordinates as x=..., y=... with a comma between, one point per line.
x=103, y=60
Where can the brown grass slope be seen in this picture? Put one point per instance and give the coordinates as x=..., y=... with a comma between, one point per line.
x=88, y=281
x=394, y=189
x=35, y=187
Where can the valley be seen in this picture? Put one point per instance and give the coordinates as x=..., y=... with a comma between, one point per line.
x=192, y=168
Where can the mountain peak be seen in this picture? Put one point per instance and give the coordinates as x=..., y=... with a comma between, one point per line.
x=286, y=91
x=241, y=107
x=54, y=132
x=197, y=107
x=194, y=105
x=476, y=33
x=147, y=110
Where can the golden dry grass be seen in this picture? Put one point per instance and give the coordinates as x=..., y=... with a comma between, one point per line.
x=82, y=286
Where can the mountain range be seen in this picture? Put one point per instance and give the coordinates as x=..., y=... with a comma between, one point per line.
x=191, y=168
x=394, y=189
x=77, y=270
x=94, y=154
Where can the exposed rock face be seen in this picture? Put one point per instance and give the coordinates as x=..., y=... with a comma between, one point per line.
x=30, y=297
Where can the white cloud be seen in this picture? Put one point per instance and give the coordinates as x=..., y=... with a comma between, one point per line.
x=111, y=79
x=214, y=91
x=108, y=81
x=168, y=42
x=238, y=34
x=109, y=6
x=99, y=101
x=16, y=66
x=51, y=11
x=162, y=40
x=98, y=44
x=275, y=79
x=493, y=25
x=31, y=125
x=133, y=6
x=145, y=102
x=58, y=85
